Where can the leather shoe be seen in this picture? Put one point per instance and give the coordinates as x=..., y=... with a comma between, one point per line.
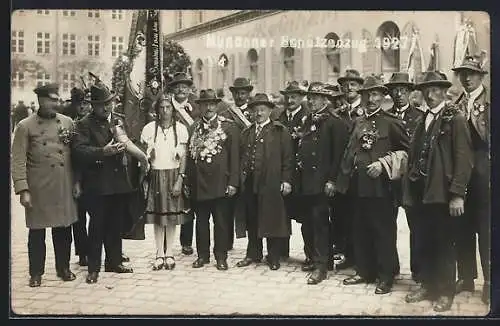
x=200, y=262
x=308, y=265
x=125, y=259
x=274, y=265
x=383, y=288
x=464, y=285
x=66, y=275
x=187, y=250
x=118, y=269
x=222, y=265
x=35, y=281
x=418, y=295
x=247, y=261
x=355, y=279
x=485, y=296
x=82, y=261
x=92, y=277
x=443, y=303
x=316, y=277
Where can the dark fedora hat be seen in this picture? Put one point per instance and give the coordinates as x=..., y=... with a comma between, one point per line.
x=100, y=93
x=471, y=63
x=433, y=78
x=335, y=91
x=260, y=98
x=50, y=90
x=241, y=83
x=318, y=88
x=400, y=79
x=294, y=87
x=77, y=95
x=374, y=82
x=351, y=74
x=180, y=78
x=208, y=95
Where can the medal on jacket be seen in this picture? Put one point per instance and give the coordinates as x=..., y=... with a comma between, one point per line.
x=359, y=111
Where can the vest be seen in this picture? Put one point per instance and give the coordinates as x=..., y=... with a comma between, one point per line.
x=419, y=169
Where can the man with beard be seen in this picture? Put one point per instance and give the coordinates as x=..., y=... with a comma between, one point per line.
x=322, y=139
x=266, y=168
x=439, y=168
x=400, y=88
x=374, y=137
x=474, y=103
x=213, y=172
x=187, y=112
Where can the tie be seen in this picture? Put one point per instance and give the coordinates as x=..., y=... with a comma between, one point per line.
x=257, y=131
x=469, y=105
x=429, y=118
x=400, y=114
x=290, y=117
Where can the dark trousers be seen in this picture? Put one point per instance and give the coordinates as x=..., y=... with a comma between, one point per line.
x=397, y=267
x=437, y=227
x=106, y=213
x=316, y=229
x=254, y=246
x=231, y=205
x=61, y=239
x=375, y=238
x=186, y=234
x=412, y=218
x=80, y=230
x=342, y=228
x=218, y=209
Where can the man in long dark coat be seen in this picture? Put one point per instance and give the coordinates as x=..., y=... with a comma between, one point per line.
x=187, y=112
x=266, y=168
x=377, y=137
x=212, y=177
x=475, y=104
x=43, y=177
x=439, y=168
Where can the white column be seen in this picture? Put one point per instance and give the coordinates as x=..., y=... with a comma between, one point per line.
x=268, y=69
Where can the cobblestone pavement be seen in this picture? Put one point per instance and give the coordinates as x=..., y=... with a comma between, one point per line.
x=207, y=291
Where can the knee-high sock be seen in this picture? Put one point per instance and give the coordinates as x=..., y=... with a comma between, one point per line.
x=170, y=235
x=159, y=231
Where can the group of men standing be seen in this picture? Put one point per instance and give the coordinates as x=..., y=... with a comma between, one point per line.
x=334, y=160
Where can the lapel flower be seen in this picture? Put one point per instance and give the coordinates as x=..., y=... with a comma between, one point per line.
x=65, y=135
x=368, y=138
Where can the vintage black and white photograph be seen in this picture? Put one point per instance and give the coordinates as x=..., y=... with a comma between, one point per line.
x=250, y=163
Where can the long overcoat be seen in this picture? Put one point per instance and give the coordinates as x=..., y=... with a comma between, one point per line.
x=41, y=164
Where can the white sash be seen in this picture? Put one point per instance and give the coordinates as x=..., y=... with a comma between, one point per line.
x=185, y=116
x=241, y=116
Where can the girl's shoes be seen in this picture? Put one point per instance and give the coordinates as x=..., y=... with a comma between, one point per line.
x=169, y=262
x=158, y=263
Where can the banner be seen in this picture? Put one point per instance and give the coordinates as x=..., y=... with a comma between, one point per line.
x=154, y=75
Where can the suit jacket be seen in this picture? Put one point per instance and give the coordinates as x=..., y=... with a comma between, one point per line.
x=349, y=115
x=209, y=180
x=411, y=118
x=293, y=125
x=100, y=175
x=390, y=137
x=450, y=159
x=319, y=152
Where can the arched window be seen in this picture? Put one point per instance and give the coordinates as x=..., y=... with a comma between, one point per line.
x=388, y=41
x=252, y=58
x=222, y=70
x=333, y=54
x=199, y=73
x=289, y=63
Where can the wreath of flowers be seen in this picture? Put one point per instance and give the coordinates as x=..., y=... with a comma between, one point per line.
x=206, y=142
x=65, y=135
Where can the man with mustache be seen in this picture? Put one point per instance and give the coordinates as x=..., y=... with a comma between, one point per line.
x=187, y=112
x=440, y=163
x=374, y=137
x=474, y=103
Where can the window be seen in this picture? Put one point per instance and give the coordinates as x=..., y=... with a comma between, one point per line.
x=179, y=19
x=69, y=81
x=67, y=13
x=252, y=58
x=289, y=62
x=17, y=43
x=68, y=44
x=18, y=79
x=93, y=45
x=43, y=12
x=42, y=43
x=117, y=14
x=42, y=79
x=387, y=41
x=116, y=45
x=93, y=14
x=199, y=73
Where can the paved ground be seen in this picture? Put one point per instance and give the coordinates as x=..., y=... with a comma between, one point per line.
x=207, y=291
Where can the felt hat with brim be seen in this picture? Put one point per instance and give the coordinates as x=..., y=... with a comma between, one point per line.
x=374, y=83
x=241, y=83
x=208, y=96
x=180, y=78
x=260, y=98
x=100, y=93
x=318, y=88
x=400, y=79
x=471, y=63
x=351, y=74
x=335, y=91
x=50, y=90
x=293, y=87
x=433, y=78
x=77, y=95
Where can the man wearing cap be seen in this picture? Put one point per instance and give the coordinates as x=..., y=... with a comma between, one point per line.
x=43, y=178
x=104, y=181
x=440, y=163
x=213, y=172
x=400, y=88
x=475, y=104
x=266, y=168
x=367, y=168
x=351, y=83
x=187, y=112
